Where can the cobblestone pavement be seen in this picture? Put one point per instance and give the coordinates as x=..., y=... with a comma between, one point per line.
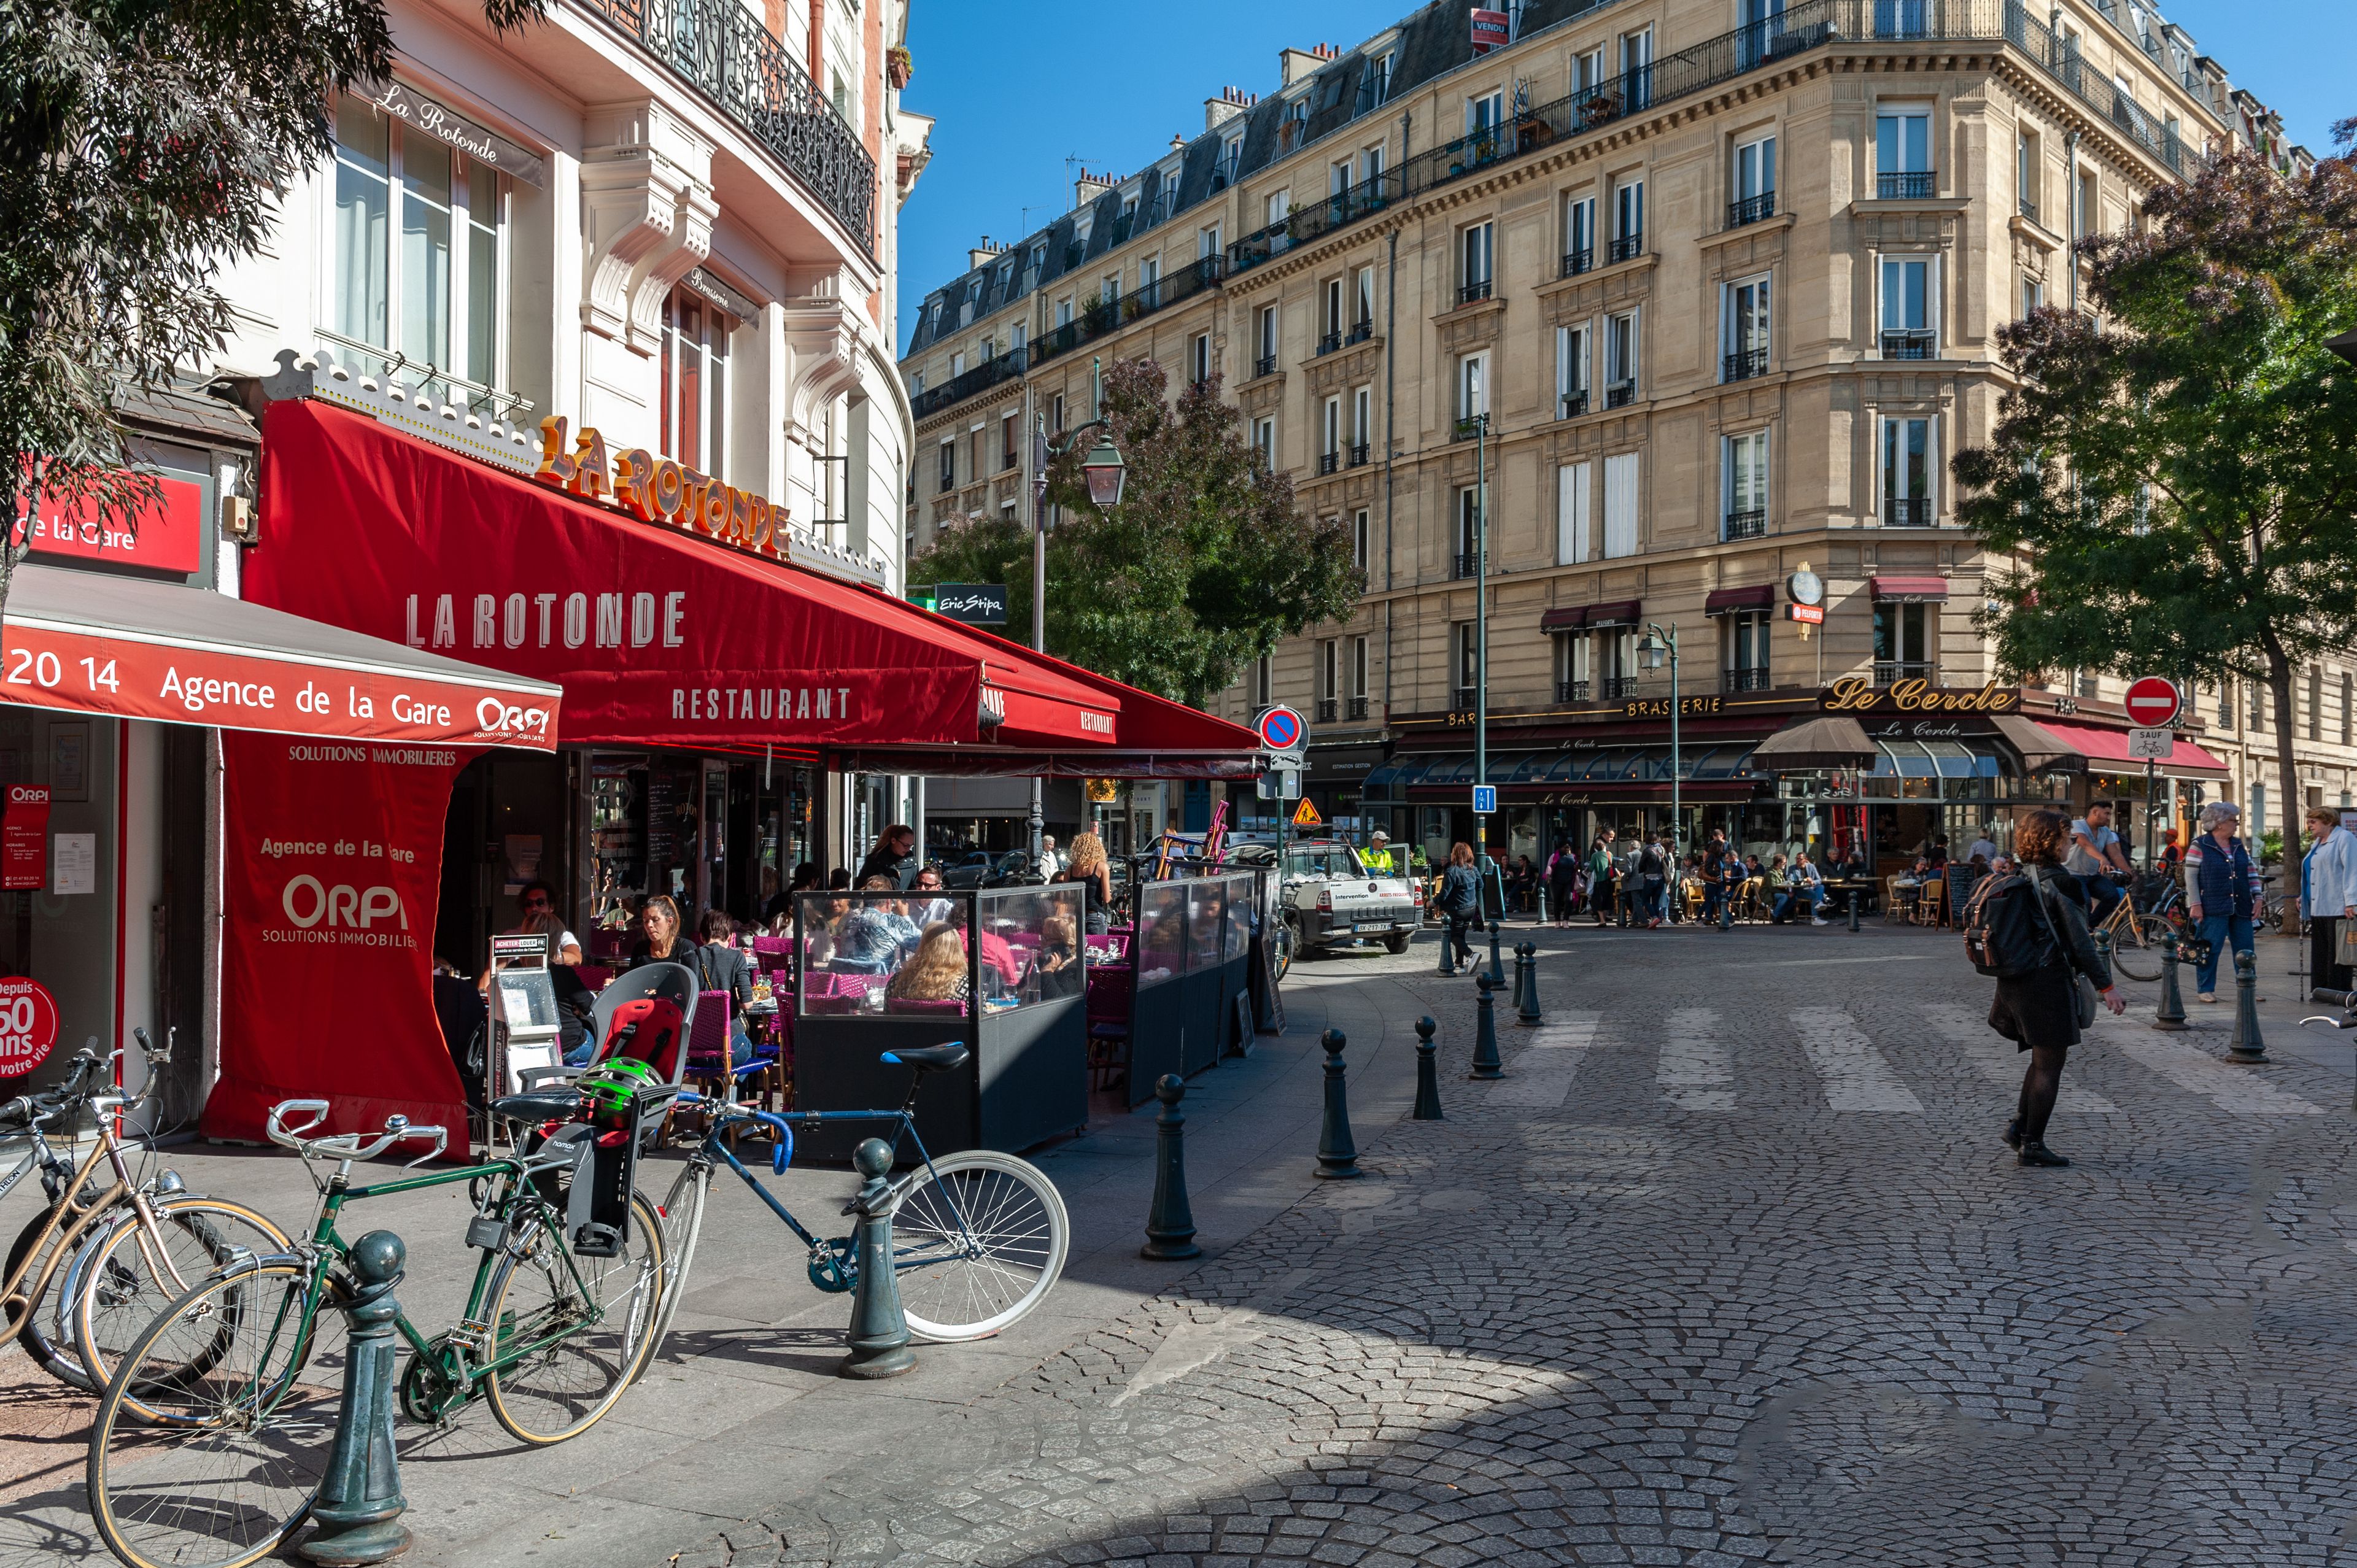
x=1730, y=1269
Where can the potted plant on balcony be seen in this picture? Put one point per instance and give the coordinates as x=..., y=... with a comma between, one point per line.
x=899, y=66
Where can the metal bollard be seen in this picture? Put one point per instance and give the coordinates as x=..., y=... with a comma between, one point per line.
x=1427, y=1073
x=1853, y=911
x=879, y=1332
x=1497, y=970
x=2248, y=1046
x=1486, y=1064
x=1170, y=1223
x=1527, y=1012
x=2171, y=1013
x=359, y=1505
x=1338, y=1155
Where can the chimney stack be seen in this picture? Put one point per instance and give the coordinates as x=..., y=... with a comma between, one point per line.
x=1089, y=186
x=983, y=255
x=1231, y=102
x=1293, y=65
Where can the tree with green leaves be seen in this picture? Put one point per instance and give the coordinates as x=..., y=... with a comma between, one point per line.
x=1205, y=565
x=144, y=148
x=2171, y=486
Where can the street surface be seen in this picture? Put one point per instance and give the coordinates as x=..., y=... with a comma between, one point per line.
x=1730, y=1269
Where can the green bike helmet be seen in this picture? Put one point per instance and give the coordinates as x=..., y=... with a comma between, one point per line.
x=610, y=1087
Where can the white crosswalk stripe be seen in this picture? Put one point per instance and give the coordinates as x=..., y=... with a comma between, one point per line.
x=1696, y=1071
x=1857, y=1076
x=2237, y=1091
x=1540, y=1078
x=2000, y=1062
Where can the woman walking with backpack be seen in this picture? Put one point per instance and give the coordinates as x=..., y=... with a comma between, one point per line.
x=2037, y=938
x=1460, y=898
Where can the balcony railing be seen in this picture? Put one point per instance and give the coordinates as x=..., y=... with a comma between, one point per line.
x=1746, y=524
x=1743, y=679
x=1361, y=330
x=1107, y=316
x=1578, y=261
x=2030, y=210
x=1331, y=342
x=1572, y=404
x=1358, y=707
x=1470, y=425
x=1329, y=461
x=1744, y=364
x=1614, y=688
x=1468, y=563
x=1571, y=691
x=993, y=373
x=1906, y=511
x=1890, y=671
x=1469, y=293
x=1265, y=366
x=1464, y=699
x=1911, y=185
x=1629, y=247
x=1007, y=460
x=725, y=53
x=1359, y=456
x=1319, y=218
x=1910, y=343
x=1619, y=394
x=948, y=483
x=1329, y=709
x=1751, y=210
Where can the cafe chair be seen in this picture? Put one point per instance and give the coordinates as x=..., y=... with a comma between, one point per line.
x=1897, y=906
x=1110, y=995
x=707, y=1045
x=1931, y=903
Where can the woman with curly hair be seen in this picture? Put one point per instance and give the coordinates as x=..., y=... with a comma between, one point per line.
x=2038, y=1009
x=937, y=972
x=1087, y=864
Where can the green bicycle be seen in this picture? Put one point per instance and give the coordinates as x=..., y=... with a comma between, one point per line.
x=210, y=1442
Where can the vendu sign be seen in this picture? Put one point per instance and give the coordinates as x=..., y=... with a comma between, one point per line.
x=658, y=490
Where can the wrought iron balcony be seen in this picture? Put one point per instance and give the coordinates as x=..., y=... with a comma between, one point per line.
x=724, y=52
x=1359, y=456
x=1619, y=394
x=1614, y=688
x=1572, y=404
x=1265, y=366
x=1469, y=293
x=1571, y=691
x=1578, y=261
x=1464, y=700
x=1468, y=563
x=1107, y=316
x=1906, y=511
x=1890, y=671
x=1629, y=247
x=1751, y=210
x=1744, y=364
x=1329, y=461
x=1358, y=707
x=1327, y=709
x=1470, y=427
x=1743, y=679
x=948, y=483
x=992, y=372
x=1007, y=460
x=2030, y=210
x=1330, y=341
x=1750, y=524
x=1361, y=330
x=1912, y=184
x=1912, y=343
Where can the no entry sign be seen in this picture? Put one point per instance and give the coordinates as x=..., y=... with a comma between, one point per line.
x=2152, y=702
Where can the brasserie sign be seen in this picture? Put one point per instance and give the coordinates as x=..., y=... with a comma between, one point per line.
x=1857, y=694
x=406, y=103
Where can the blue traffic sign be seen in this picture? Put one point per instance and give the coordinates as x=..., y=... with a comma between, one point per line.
x=1485, y=799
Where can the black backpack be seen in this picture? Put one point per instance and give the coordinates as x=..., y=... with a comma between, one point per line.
x=2004, y=930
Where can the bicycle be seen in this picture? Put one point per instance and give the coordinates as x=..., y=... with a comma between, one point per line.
x=979, y=1238
x=210, y=1442
x=2135, y=934
x=113, y=1255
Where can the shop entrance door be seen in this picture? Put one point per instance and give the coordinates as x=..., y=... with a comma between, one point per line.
x=712, y=857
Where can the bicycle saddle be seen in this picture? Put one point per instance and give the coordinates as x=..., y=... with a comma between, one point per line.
x=927, y=1059
x=540, y=1105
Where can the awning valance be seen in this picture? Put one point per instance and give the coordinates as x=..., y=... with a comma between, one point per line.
x=1911, y=590
x=1623, y=612
x=2041, y=750
x=1730, y=601
x=1564, y=619
x=2108, y=750
x=96, y=643
x=1828, y=741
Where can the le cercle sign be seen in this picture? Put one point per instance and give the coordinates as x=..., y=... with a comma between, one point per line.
x=658, y=490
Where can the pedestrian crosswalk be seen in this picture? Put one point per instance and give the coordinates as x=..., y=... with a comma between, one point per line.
x=1704, y=1061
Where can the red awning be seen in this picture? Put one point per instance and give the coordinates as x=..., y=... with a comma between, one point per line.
x=1726, y=601
x=93, y=642
x=1911, y=590
x=2108, y=750
x=1564, y=619
x=659, y=638
x=1623, y=612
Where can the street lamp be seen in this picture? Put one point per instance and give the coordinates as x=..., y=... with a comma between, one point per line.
x=1653, y=649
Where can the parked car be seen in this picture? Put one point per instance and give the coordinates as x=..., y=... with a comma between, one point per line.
x=988, y=868
x=1328, y=899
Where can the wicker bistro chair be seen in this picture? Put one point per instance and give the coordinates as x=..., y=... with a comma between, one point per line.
x=1931, y=903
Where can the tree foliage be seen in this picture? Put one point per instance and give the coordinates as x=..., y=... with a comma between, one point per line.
x=145, y=148
x=1203, y=566
x=2175, y=487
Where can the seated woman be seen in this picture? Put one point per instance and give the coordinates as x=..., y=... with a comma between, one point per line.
x=937, y=972
x=1058, y=963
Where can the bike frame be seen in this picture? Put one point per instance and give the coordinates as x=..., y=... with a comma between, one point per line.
x=71, y=1218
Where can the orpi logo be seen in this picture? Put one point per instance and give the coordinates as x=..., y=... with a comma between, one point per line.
x=494, y=716
x=307, y=902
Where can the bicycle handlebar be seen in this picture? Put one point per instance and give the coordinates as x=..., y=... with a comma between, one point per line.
x=348, y=1146
x=2347, y=999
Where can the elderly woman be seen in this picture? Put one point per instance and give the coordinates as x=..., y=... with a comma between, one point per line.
x=2222, y=890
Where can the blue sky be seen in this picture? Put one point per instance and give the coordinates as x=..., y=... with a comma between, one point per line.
x=1017, y=88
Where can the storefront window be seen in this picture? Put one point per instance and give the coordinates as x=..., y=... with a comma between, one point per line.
x=617, y=843
x=61, y=933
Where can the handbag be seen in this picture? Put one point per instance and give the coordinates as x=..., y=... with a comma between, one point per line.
x=2083, y=993
x=2345, y=952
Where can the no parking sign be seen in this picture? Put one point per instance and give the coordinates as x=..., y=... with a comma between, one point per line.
x=29, y=1025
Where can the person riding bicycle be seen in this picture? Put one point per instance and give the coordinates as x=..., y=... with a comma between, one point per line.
x=2097, y=859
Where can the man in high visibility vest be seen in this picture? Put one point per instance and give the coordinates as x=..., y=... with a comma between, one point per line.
x=1377, y=857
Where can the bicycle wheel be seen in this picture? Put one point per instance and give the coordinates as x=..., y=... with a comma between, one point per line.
x=38, y=1324
x=119, y=1280
x=979, y=1240
x=585, y=1326
x=683, y=1219
x=216, y=1468
x=2135, y=945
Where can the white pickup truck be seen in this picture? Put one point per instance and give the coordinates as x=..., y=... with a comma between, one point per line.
x=1331, y=900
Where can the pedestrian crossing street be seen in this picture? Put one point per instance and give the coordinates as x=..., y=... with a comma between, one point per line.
x=1702, y=1056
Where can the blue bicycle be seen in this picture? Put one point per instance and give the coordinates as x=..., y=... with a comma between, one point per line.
x=978, y=1238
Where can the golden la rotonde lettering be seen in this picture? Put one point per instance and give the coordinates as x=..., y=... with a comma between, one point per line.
x=658, y=490
x=1857, y=694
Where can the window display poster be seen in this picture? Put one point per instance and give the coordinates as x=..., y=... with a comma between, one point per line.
x=29, y=1025
x=331, y=873
x=24, y=837
x=73, y=863
x=69, y=759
